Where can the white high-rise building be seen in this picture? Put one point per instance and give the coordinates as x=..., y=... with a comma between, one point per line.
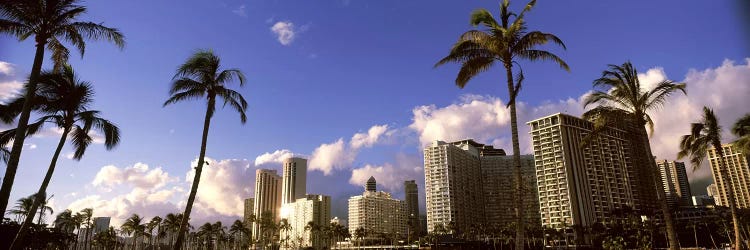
x=267, y=197
x=675, y=182
x=311, y=208
x=739, y=172
x=498, y=182
x=579, y=186
x=378, y=214
x=295, y=179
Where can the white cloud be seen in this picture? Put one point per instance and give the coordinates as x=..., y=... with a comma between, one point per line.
x=240, y=11
x=137, y=176
x=9, y=89
x=390, y=176
x=7, y=68
x=224, y=185
x=328, y=157
x=369, y=139
x=277, y=157
x=284, y=31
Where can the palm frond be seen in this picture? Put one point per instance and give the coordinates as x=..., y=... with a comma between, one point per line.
x=230, y=74
x=467, y=50
x=97, y=31
x=60, y=54
x=484, y=17
x=656, y=97
x=471, y=68
x=185, y=95
x=742, y=126
x=235, y=100
x=536, y=38
x=185, y=84
x=80, y=140
x=537, y=55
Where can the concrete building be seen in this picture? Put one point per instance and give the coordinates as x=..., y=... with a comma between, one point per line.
x=295, y=179
x=739, y=173
x=713, y=192
x=453, y=184
x=675, y=182
x=411, y=196
x=579, y=185
x=498, y=183
x=267, y=196
x=311, y=208
x=248, y=211
x=379, y=214
x=101, y=224
x=703, y=200
x=371, y=185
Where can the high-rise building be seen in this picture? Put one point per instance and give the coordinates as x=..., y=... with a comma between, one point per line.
x=101, y=224
x=713, y=192
x=579, y=186
x=379, y=214
x=498, y=182
x=371, y=184
x=739, y=172
x=675, y=182
x=411, y=196
x=267, y=196
x=295, y=179
x=313, y=208
x=248, y=211
x=453, y=184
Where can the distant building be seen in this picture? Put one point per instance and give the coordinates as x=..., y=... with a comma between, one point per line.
x=101, y=224
x=453, y=184
x=379, y=214
x=371, y=184
x=675, y=182
x=580, y=186
x=498, y=183
x=295, y=179
x=713, y=192
x=249, y=211
x=703, y=200
x=267, y=197
x=311, y=208
x=739, y=171
x=411, y=195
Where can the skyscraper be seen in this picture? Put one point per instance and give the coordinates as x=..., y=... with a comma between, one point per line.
x=267, y=196
x=675, y=182
x=498, y=184
x=411, y=195
x=453, y=183
x=311, y=208
x=371, y=184
x=713, y=191
x=249, y=208
x=579, y=186
x=379, y=214
x=101, y=224
x=739, y=172
x=295, y=179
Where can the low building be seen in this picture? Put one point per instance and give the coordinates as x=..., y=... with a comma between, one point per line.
x=313, y=210
x=379, y=214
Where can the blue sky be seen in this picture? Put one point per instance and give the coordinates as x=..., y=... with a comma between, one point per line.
x=350, y=65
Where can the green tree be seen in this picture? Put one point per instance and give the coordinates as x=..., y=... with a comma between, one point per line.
x=171, y=224
x=620, y=96
x=106, y=239
x=64, y=221
x=359, y=234
x=135, y=227
x=87, y=216
x=705, y=134
x=506, y=42
x=239, y=231
x=154, y=223
x=284, y=227
x=50, y=23
x=198, y=78
x=741, y=129
x=66, y=102
x=22, y=208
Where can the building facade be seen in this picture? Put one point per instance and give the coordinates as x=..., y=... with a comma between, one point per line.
x=267, y=197
x=498, y=183
x=295, y=179
x=713, y=192
x=453, y=186
x=379, y=214
x=311, y=208
x=739, y=173
x=675, y=182
x=411, y=196
x=577, y=185
x=249, y=211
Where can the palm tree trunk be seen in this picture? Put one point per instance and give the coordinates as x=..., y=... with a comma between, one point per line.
x=40, y=195
x=674, y=243
x=23, y=120
x=198, y=170
x=730, y=195
x=518, y=199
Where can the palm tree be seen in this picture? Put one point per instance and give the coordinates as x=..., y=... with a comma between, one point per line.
x=171, y=223
x=154, y=223
x=359, y=234
x=43, y=209
x=284, y=227
x=237, y=231
x=201, y=77
x=78, y=220
x=87, y=214
x=50, y=22
x=106, y=239
x=65, y=222
x=66, y=104
x=506, y=42
x=705, y=134
x=135, y=227
x=622, y=99
x=741, y=129
x=22, y=208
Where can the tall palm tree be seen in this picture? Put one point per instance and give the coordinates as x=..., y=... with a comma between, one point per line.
x=705, y=134
x=78, y=220
x=66, y=104
x=741, y=129
x=135, y=227
x=106, y=239
x=22, y=208
x=506, y=42
x=64, y=221
x=620, y=96
x=171, y=224
x=284, y=227
x=154, y=223
x=87, y=216
x=43, y=209
x=50, y=23
x=238, y=231
x=201, y=77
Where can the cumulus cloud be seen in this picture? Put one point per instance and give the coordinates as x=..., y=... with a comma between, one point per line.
x=328, y=157
x=373, y=135
x=7, y=68
x=277, y=157
x=224, y=185
x=9, y=89
x=284, y=31
x=138, y=176
x=390, y=176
